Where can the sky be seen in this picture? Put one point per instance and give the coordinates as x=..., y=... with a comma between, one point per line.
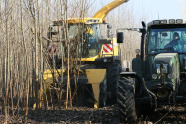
x=162, y=9
x=155, y=9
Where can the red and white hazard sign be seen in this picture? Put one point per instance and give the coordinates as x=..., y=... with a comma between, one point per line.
x=52, y=49
x=107, y=48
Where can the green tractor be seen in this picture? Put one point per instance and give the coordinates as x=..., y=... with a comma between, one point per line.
x=158, y=76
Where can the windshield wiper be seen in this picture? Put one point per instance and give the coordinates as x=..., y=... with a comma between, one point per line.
x=169, y=48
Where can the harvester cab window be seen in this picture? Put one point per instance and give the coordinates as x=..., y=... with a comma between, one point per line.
x=76, y=30
x=161, y=40
x=86, y=36
x=93, y=37
x=53, y=33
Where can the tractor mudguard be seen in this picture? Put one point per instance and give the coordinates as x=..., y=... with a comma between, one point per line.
x=123, y=73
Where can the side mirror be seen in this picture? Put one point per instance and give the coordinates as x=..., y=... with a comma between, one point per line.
x=120, y=37
x=137, y=51
x=109, y=33
x=104, y=41
x=143, y=24
x=109, y=26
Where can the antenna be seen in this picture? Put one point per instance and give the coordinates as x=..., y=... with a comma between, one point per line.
x=183, y=8
x=158, y=15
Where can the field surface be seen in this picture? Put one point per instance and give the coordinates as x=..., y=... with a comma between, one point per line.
x=86, y=115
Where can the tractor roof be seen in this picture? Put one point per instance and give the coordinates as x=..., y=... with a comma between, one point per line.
x=167, y=22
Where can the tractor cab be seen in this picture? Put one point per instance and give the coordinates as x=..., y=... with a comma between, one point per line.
x=166, y=36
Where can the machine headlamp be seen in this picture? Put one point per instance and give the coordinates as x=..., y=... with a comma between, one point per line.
x=154, y=76
x=104, y=60
x=179, y=21
x=163, y=21
x=170, y=76
x=156, y=22
x=92, y=21
x=172, y=21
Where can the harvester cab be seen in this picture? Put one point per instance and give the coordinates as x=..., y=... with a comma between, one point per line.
x=158, y=76
x=95, y=50
x=89, y=35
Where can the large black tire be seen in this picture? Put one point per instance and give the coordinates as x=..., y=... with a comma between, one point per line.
x=112, y=79
x=126, y=100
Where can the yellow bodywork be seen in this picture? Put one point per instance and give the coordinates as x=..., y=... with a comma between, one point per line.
x=95, y=75
x=48, y=76
x=115, y=52
x=48, y=79
x=102, y=13
x=98, y=17
x=115, y=49
x=95, y=78
x=60, y=22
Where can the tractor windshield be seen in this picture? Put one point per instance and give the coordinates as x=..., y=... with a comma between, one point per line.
x=167, y=40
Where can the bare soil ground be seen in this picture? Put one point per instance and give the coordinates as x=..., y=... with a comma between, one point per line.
x=85, y=115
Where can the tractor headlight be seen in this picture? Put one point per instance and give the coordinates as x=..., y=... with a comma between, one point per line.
x=170, y=76
x=104, y=60
x=163, y=21
x=172, y=21
x=155, y=22
x=154, y=76
x=179, y=21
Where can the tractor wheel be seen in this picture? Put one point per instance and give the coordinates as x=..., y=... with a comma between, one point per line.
x=112, y=78
x=103, y=93
x=126, y=100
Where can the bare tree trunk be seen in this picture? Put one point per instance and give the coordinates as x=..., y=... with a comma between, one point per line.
x=6, y=59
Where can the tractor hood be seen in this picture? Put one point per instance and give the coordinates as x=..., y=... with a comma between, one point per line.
x=166, y=69
x=167, y=63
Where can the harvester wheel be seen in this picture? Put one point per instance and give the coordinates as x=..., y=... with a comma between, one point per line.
x=126, y=100
x=112, y=78
x=103, y=93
